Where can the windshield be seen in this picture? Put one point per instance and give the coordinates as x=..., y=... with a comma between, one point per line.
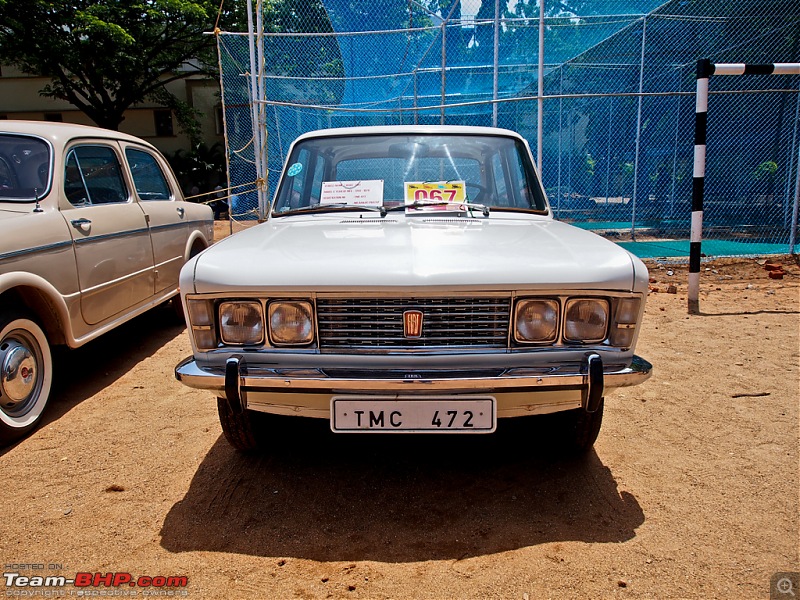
x=24, y=168
x=404, y=170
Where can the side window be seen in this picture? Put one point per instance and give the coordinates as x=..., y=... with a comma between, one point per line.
x=500, y=188
x=148, y=178
x=7, y=175
x=24, y=167
x=93, y=176
x=302, y=185
x=521, y=182
x=298, y=181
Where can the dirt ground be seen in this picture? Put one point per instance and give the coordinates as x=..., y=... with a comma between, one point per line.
x=692, y=490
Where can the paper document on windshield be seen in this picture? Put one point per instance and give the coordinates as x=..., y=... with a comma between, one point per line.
x=423, y=196
x=367, y=192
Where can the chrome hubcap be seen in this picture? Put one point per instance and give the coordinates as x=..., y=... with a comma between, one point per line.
x=18, y=376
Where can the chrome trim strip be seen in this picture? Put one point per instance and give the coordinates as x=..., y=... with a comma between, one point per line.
x=290, y=380
x=167, y=226
x=177, y=225
x=107, y=236
x=45, y=248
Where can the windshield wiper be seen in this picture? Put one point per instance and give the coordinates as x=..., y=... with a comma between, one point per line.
x=470, y=206
x=314, y=208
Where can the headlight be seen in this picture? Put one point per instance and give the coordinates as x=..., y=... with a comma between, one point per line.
x=200, y=312
x=241, y=323
x=586, y=320
x=536, y=321
x=290, y=323
x=624, y=326
x=201, y=319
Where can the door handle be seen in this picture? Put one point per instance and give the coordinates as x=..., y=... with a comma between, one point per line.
x=80, y=223
x=180, y=211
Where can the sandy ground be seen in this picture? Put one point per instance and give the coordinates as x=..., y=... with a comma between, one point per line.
x=691, y=492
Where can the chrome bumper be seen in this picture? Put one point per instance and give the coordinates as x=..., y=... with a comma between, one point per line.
x=237, y=377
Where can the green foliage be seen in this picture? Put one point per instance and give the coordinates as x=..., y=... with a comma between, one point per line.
x=203, y=166
x=103, y=56
x=766, y=169
x=591, y=164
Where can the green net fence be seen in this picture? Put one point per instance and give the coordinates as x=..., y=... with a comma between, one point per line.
x=618, y=102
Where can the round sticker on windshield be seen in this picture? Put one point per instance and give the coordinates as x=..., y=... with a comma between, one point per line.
x=294, y=169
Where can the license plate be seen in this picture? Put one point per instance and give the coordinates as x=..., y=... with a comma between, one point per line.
x=391, y=414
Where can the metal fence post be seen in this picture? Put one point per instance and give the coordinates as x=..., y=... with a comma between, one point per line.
x=255, y=100
x=638, y=132
x=675, y=148
x=560, y=134
x=496, y=61
x=444, y=70
x=540, y=91
x=795, y=207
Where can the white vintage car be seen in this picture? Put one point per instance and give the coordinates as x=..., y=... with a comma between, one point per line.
x=412, y=279
x=93, y=231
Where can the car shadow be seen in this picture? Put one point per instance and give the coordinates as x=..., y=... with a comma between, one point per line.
x=402, y=498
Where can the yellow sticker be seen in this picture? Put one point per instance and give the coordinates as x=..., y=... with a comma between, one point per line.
x=450, y=192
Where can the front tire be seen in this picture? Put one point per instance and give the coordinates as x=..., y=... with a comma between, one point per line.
x=247, y=432
x=579, y=429
x=26, y=375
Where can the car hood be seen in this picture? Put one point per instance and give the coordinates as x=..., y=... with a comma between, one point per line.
x=342, y=252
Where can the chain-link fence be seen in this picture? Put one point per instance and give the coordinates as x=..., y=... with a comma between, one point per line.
x=618, y=102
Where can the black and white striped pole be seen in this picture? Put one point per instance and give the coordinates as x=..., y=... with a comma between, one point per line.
x=705, y=69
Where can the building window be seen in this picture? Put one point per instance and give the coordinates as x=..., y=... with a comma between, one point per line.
x=163, y=123
x=54, y=117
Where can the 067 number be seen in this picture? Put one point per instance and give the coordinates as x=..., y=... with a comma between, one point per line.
x=424, y=194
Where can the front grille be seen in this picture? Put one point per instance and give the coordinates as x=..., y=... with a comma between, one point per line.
x=377, y=323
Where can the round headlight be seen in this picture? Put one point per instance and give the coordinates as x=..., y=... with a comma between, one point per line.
x=536, y=321
x=290, y=323
x=586, y=320
x=241, y=323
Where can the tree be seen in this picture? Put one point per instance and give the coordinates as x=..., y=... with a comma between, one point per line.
x=104, y=56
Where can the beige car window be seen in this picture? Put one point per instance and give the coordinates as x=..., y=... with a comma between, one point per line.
x=93, y=176
x=24, y=168
x=148, y=178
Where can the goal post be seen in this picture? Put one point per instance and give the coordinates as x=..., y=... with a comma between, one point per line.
x=705, y=70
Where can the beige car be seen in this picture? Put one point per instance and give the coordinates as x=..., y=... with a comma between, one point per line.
x=93, y=231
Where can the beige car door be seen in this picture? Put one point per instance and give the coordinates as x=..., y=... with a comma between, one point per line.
x=109, y=232
x=167, y=217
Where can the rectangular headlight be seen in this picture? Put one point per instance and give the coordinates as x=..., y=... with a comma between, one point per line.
x=201, y=321
x=624, y=325
x=290, y=323
x=536, y=321
x=200, y=312
x=586, y=320
x=627, y=311
x=241, y=323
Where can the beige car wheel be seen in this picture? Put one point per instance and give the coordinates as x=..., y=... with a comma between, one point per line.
x=26, y=375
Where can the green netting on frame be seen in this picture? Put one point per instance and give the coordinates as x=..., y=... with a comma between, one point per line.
x=614, y=71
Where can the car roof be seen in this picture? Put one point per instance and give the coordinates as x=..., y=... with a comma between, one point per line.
x=63, y=132
x=411, y=129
